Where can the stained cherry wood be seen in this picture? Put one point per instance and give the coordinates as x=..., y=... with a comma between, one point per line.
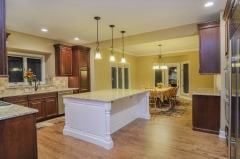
x=45, y=103
x=81, y=72
x=209, y=47
x=19, y=100
x=161, y=137
x=63, y=60
x=18, y=138
x=3, y=56
x=206, y=113
x=50, y=107
x=39, y=105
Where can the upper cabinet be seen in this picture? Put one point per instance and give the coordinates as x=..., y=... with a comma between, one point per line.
x=63, y=60
x=209, y=47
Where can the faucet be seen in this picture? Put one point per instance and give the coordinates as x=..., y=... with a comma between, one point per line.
x=36, y=85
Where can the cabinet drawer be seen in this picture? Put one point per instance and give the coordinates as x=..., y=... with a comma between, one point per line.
x=42, y=95
x=75, y=91
x=16, y=99
x=25, y=104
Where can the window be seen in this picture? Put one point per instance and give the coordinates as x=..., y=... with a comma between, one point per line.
x=185, y=77
x=18, y=63
x=120, y=75
x=158, y=76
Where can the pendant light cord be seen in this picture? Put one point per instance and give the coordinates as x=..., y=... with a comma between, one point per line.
x=123, y=42
x=97, y=38
x=112, y=39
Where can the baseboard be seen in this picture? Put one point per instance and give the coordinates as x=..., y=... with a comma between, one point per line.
x=222, y=134
x=187, y=98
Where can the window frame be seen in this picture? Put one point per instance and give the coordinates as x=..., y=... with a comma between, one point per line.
x=25, y=56
x=163, y=77
x=182, y=74
x=122, y=66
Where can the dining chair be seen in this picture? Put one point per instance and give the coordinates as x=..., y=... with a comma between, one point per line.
x=142, y=87
x=150, y=86
x=168, y=96
x=174, y=95
x=153, y=99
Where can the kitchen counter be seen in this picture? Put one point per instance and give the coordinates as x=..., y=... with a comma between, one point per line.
x=206, y=91
x=107, y=95
x=94, y=116
x=13, y=110
x=34, y=92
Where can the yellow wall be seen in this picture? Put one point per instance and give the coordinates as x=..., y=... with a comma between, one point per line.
x=103, y=72
x=145, y=74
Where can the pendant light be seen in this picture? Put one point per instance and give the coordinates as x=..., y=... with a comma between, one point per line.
x=97, y=55
x=112, y=58
x=123, y=59
x=159, y=64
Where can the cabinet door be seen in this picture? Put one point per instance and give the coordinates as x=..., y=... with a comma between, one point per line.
x=65, y=61
x=39, y=105
x=209, y=54
x=50, y=107
x=84, y=79
x=25, y=104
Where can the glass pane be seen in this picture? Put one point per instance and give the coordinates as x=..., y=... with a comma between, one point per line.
x=185, y=78
x=126, y=78
x=158, y=77
x=35, y=66
x=114, y=77
x=172, y=76
x=119, y=77
x=15, y=69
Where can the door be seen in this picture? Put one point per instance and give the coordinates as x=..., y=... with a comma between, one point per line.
x=234, y=132
x=172, y=75
x=50, y=107
x=39, y=105
x=114, y=77
x=120, y=76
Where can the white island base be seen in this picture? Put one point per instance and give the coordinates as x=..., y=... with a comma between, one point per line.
x=93, y=118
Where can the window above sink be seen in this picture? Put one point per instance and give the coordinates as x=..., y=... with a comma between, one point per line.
x=18, y=63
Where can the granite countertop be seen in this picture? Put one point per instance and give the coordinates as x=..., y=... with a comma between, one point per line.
x=106, y=95
x=34, y=92
x=13, y=110
x=206, y=91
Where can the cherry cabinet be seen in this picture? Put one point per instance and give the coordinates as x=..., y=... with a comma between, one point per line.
x=81, y=73
x=19, y=100
x=209, y=47
x=45, y=103
x=206, y=113
x=63, y=60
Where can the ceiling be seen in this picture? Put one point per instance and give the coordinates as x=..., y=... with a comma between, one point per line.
x=66, y=20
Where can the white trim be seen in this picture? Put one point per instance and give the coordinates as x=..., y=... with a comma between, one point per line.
x=185, y=62
x=24, y=56
x=222, y=134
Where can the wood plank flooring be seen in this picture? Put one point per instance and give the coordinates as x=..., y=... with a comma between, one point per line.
x=162, y=137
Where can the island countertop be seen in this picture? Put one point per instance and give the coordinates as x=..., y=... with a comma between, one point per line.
x=206, y=91
x=13, y=110
x=108, y=95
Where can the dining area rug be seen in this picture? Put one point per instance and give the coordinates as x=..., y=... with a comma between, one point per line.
x=176, y=111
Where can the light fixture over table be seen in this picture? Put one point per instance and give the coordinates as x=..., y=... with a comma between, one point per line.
x=123, y=58
x=159, y=64
x=112, y=58
x=97, y=55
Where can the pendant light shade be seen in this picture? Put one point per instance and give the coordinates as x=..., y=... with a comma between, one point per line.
x=97, y=55
x=159, y=64
x=123, y=58
x=112, y=58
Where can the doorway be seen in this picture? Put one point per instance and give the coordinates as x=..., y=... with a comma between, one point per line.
x=172, y=75
x=120, y=75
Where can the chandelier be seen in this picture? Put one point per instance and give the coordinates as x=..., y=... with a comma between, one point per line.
x=159, y=64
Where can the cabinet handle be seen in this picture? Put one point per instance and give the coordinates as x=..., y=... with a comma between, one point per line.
x=15, y=99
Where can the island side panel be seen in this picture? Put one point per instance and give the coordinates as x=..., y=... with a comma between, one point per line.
x=89, y=121
x=143, y=106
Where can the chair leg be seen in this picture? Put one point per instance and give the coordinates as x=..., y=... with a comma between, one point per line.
x=155, y=104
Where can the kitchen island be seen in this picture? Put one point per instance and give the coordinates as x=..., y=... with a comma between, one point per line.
x=94, y=116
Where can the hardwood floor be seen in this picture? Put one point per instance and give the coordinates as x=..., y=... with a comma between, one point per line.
x=162, y=137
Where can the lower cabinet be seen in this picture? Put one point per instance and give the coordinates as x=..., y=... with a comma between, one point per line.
x=18, y=138
x=19, y=100
x=45, y=103
x=206, y=113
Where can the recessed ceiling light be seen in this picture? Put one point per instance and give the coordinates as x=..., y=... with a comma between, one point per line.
x=45, y=30
x=208, y=4
x=76, y=38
